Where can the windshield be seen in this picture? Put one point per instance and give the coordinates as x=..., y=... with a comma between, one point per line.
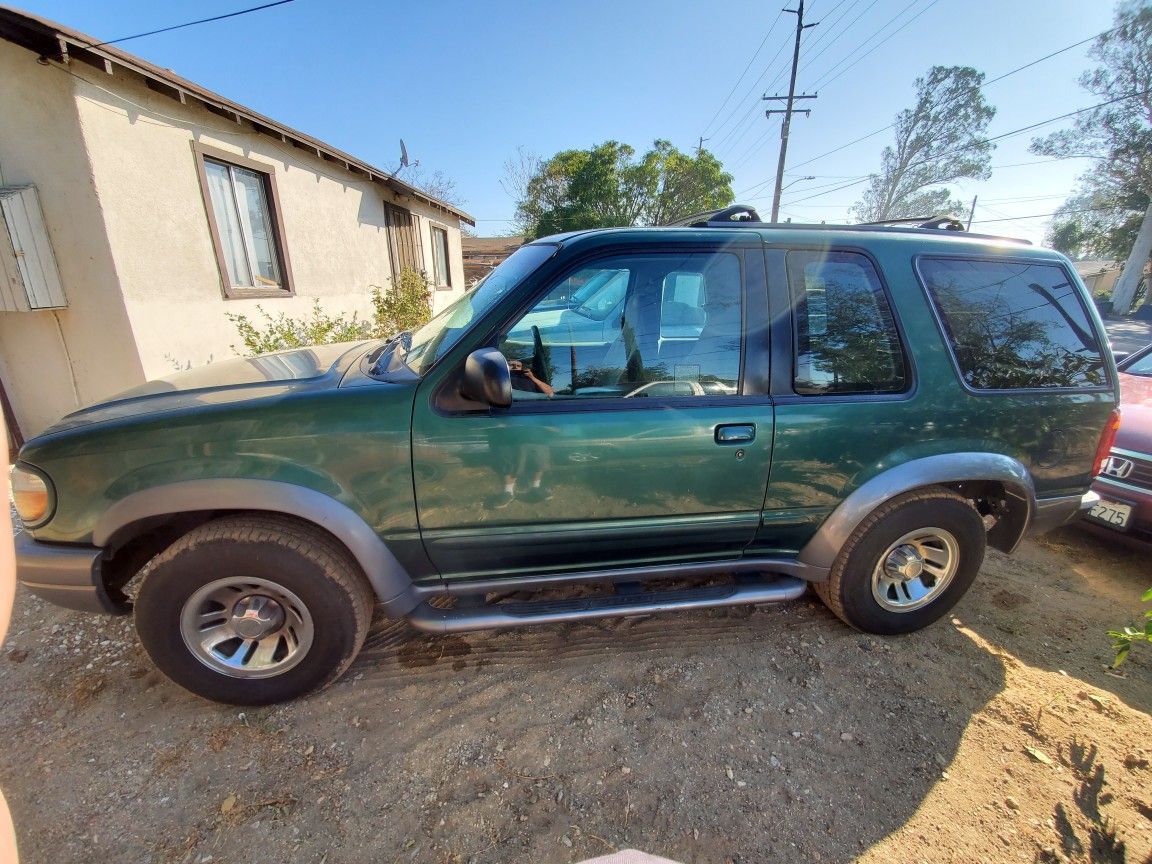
x=436, y=338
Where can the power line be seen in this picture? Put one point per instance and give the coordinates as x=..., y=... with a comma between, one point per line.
x=745, y=72
x=843, y=31
x=192, y=23
x=999, y=137
x=1043, y=215
x=810, y=188
x=788, y=110
x=980, y=87
x=753, y=113
x=752, y=149
x=825, y=80
x=864, y=42
x=747, y=93
x=830, y=191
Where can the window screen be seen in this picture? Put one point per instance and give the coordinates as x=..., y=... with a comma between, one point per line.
x=845, y=336
x=1014, y=325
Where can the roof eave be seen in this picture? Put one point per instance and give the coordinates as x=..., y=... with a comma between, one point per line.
x=55, y=42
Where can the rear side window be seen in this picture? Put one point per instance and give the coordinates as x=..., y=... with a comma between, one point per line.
x=1014, y=324
x=845, y=335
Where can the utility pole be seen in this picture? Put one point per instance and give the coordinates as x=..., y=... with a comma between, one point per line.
x=971, y=212
x=788, y=111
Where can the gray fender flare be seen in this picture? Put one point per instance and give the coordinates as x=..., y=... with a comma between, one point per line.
x=389, y=579
x=822, y=549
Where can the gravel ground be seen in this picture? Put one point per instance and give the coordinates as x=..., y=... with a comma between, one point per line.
x=741, y=735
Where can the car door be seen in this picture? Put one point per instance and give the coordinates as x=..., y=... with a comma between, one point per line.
x=648, y=443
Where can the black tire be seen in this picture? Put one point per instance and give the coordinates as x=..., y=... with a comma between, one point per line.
x=849, y=590
x=284, y=555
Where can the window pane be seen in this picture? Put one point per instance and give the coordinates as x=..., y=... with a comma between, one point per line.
x=647, y=326
x=441, y=273
x=227, y=223
x=846, y=337
x=1014, y=325
x=259, y=221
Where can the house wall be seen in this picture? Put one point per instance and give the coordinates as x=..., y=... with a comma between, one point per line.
x=140, y=146
x=53, y=361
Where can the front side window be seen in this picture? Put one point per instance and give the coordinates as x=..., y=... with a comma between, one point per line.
x=441, y=272
x=249, y=245
x=1014, y=324
x=640, y=326
x=846, y=339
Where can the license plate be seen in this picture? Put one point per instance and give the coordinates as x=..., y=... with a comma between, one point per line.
x=1111, y=513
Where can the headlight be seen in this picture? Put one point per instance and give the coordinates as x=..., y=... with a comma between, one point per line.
x=31, y=495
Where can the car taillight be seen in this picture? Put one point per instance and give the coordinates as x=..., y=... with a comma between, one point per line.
x=1107, y=439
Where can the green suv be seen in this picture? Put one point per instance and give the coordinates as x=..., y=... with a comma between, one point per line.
x=614, y=422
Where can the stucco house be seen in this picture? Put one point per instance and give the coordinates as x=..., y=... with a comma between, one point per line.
x=1098, y=275
x=137, y=208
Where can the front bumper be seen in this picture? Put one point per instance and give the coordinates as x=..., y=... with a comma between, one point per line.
x=66, y=575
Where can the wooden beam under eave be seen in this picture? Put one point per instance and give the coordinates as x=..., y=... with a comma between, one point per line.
x=165, y=89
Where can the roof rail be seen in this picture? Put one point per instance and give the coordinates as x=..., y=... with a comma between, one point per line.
x=943, y=222
x=745, y=216
x=734, y=213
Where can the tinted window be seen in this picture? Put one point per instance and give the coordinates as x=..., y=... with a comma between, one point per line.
x=1013, y=324
x=638, y=326
x=846, y=337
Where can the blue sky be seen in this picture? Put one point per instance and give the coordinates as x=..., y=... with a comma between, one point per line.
x=467, y=83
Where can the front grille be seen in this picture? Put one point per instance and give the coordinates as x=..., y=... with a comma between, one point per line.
x=1141, y=474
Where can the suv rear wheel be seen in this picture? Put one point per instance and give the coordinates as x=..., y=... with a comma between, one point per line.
x=907, y=564
x=251, y=610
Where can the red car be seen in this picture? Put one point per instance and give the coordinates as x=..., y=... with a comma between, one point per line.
x=1125, y=484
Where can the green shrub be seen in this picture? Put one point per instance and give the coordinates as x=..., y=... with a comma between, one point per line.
x=1123, y=640
x=405, y=305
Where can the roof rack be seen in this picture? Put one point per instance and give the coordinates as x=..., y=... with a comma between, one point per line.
x=745, y=216
x=708, y=218
x=942, y=222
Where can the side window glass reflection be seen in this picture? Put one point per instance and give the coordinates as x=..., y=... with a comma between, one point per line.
x=632, y=327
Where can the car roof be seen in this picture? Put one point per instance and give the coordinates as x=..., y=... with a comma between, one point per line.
x=743, y=219
x=913, y=239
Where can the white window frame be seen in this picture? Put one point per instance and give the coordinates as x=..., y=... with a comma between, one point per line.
x=232, y=161
x=443, y=281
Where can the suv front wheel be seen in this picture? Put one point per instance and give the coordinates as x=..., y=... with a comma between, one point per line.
x=907, y=564
x=251, y=610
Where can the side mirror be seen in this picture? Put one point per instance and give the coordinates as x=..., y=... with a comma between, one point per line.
x=487, y=379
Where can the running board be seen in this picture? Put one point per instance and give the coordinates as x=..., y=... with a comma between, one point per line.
x=500, y=615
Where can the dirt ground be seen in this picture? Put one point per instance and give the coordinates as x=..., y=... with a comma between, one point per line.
x=743, y=735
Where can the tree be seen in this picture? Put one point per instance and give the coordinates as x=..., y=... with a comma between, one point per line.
x=436, y=183
x=606, y=186
x=518, y=173
x=1111, y=212
x=939, y=140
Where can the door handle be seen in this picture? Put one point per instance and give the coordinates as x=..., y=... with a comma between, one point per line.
x=735, y=433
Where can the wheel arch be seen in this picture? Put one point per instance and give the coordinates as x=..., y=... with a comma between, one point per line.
x=977, y=476
x=189, y=503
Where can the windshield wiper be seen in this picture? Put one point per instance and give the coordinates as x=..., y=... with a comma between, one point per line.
x=388, y=352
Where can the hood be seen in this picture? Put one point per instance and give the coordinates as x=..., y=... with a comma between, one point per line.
x=1135, y=413
x=244, y=379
